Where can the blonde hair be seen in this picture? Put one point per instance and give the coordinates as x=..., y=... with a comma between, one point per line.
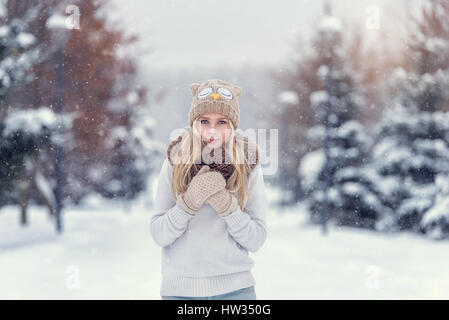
x=190, y=150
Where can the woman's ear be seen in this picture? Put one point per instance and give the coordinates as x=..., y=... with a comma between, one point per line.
x=194, y=88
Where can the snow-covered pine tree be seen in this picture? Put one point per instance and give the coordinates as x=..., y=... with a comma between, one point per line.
x=22, y=134
x=344, y=146
x=102, y=89
x=14, y=41
x=413, y=140
x=436, y=220
x=17, y=52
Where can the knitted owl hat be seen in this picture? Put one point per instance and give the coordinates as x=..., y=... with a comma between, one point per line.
x=217, y=96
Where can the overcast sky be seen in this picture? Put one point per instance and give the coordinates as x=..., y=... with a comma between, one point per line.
x=206, y=36
x=214, y=32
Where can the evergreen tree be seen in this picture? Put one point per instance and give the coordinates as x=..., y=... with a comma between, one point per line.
x=436, y=220
x=337, y=164
x=412, y=148
x=300, y=79
x=102, y=91
x=22, y=135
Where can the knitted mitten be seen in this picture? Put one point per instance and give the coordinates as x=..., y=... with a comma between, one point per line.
x=204, y=184
x=223, y=202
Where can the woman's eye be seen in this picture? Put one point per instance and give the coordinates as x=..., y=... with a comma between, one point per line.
x=225, y=93
x=222, y=122
x=203, y=121
x=204, y=93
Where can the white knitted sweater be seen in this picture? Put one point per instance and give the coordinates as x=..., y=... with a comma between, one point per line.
x=205, y=254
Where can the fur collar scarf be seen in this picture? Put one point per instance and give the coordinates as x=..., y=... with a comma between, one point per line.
x=251, y=152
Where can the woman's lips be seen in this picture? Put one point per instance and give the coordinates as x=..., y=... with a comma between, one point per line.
x=212, y=139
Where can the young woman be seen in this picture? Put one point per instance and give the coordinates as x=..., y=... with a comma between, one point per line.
x=210, y=204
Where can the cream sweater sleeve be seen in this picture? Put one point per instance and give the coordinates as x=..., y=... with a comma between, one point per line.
x=248, y=227
x=169, y=221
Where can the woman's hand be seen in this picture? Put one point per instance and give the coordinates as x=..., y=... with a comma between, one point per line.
x=204, y=184
x=224, y=202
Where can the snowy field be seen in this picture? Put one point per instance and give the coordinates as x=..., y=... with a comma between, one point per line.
x=107, y=252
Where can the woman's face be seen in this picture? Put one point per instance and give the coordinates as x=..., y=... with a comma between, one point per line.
x=214, y=129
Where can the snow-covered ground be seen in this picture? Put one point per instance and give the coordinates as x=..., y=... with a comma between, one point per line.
x=107, y=252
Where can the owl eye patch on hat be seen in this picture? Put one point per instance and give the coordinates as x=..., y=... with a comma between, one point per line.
x=225, y=93
x=205, y=93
